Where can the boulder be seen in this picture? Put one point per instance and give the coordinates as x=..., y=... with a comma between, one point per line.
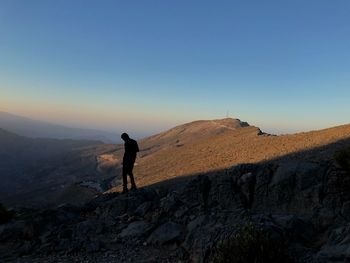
x=197, y=222
x=289, y=186
x=171, y=202
x=337, y=249
x=142, y=209
x=136, y=229
x=298, y=229
x=92, y=246
x=88, y=228
x=166, y=233
x=346, y=210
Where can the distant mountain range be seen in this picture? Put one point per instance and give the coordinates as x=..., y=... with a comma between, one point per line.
x=39, y=129
x=33, y=171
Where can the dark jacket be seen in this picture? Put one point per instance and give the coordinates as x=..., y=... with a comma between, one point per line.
x=131, y=148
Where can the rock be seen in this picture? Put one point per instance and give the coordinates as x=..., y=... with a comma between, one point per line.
x=92, y=246
x=142, y=209
x=336, y=191
x=334, y=254
x=67, y=213
x=136, y=229
x=298, y=229
x=65, y=233
x=346, y=210
x=204, y=186
x=148, y=194
x=12, y=231
x=325, y=218
x=166, y=233
x=224, y=192
x=26, y=248
x=181, y=211
x=171, y=202
x=263, y=178
x=289, y=186
x=88, y=228
x=337, y=249
x=122, y=204
x=64, y=245
x=197, y=222
x=202, y=237
x=47, y=238
x=85, y=227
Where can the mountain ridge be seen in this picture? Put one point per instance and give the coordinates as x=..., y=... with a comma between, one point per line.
x=39, y=129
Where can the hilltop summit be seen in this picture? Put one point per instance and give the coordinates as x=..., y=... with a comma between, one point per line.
x=191, y=132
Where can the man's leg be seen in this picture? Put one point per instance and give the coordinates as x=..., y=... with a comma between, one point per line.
x=132, y=180
x=125, y=180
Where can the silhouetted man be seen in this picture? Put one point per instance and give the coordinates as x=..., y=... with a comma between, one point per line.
x=131, y=148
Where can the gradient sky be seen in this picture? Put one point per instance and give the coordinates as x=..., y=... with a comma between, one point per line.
x=148, y=65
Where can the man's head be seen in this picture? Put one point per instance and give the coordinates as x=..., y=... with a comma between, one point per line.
x=125, y=136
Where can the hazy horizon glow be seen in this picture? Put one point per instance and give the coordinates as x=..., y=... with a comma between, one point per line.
x=146, y=66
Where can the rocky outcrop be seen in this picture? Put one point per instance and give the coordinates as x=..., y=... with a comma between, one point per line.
x=305, y=202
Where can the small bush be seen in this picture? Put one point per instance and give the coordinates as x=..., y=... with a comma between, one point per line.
x=5, y=215
x=343, y=159
x=251, y=245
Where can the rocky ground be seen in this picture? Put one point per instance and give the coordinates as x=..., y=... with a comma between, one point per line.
x=305, y=201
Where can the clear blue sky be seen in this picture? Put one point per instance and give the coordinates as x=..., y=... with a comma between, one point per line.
x=148, y=65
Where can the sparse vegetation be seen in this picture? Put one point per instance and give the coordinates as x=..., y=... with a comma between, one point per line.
x=251, y=245
x=343, y=159
x=5, y=215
